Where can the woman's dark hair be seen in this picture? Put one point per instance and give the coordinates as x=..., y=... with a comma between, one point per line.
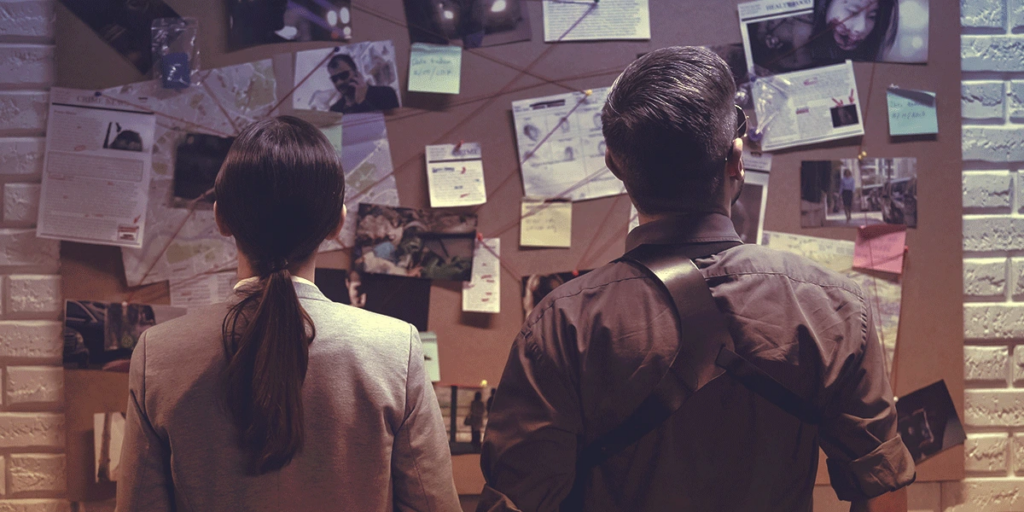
x=280, y=193
x=882, y=36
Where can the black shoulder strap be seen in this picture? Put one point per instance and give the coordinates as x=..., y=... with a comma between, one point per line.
x=706, y=350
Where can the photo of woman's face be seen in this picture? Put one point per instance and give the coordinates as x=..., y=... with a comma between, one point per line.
x=852, y=21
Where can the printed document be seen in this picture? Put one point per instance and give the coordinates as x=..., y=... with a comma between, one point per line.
x=97, y=169
x=583, y=20
x=482, y=294
x=455, y=175
x=561, y=147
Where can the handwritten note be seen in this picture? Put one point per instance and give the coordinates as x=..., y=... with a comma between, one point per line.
x=911, y=112
x=482, y=294
x=455, y=175
x=545, y=223
x=435, y=68
x=880, y=247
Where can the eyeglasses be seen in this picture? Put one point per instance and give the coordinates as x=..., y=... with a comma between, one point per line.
x=741, y=122
x=343, y=76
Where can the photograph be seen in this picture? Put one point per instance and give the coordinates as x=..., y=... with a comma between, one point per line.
x=844, y=115
x=748, y=210
x=927, y=421
x=126, y=25
x=405, y=299
x=852, y=192
x=538, y=286
x=464, y=410
x=196, y=164
x=349, y=79
x=838, y=30
x=414, y=243
x=121, y=138
x=255, y=22
x=108, y=434
x=474, y=23
x=102, y=335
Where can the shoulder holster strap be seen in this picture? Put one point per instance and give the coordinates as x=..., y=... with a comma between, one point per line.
x=706, y=351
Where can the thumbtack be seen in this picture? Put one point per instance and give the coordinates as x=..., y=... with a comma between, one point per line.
x=862, y=155
x=588, y=92
x=479, y=236
x=483, y=383
x=459, y=145
x=575, y=273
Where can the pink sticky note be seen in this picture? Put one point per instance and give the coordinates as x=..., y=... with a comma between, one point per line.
x=880, y=247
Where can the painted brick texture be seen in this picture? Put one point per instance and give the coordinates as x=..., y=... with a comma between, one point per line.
x=33, y=467
x=992, y=107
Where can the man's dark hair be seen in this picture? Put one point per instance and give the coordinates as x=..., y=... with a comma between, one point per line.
x=343, y=57
x=669, y=121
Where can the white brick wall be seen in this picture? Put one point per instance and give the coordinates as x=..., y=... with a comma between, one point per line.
x=992, y=101
x=33, y=469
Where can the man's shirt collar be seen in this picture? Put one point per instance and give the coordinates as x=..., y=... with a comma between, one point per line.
x=688, y=228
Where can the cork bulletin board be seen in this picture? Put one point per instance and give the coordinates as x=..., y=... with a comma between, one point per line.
x=472, y=346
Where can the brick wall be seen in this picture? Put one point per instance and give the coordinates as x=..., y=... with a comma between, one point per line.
x=992, y=101
x=32, y=462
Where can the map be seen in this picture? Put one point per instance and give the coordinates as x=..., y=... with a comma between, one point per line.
x=179, y=245
x=883, y=294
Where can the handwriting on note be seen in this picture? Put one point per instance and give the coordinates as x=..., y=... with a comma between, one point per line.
x=880, y=247
x=545, y=223
x=911, y=112
x=435, y=68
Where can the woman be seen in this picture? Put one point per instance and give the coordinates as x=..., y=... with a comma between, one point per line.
x=860, y=30
x=281, y=399
x=846, y=186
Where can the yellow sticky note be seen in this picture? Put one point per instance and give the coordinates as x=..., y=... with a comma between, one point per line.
x=435, y=68
x=545, y=223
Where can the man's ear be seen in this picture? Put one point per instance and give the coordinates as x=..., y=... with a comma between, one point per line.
x=612, y=164
x=221, y=226
x=341, y=222
x=734, y=166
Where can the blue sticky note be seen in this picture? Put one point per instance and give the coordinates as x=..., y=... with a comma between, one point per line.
x=435, y=68
x=911, y=112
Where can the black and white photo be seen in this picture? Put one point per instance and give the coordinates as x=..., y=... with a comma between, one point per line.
x=350, y=79
x=928, y=422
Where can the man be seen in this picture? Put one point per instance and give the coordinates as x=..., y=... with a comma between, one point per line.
x=356, y=95
x=594, y=349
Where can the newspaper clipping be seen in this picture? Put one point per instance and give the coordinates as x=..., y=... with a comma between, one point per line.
x=97, y=169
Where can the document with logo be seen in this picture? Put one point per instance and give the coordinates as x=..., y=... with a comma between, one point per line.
x=96, y=173
x=455, y=175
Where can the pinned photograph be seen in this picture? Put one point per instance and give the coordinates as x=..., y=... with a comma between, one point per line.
x=124, y=25
x=927, y=421
x=748, y=210
x=474, y=23
x=814, y=33
x=538, y=286
x=414, y=243
x=102, y=335
x=464, y=410
x=852, y=192
x=405, y=299
x=351, y=79
x=197, y=163
x=255, y=22
x=121, y=138
x=108, y=435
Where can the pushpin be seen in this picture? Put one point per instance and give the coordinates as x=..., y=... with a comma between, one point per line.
x=458, y=146
x=479, y=236
x=588, y=92
x=862, y=155
x=483, y=383
x=575, y=273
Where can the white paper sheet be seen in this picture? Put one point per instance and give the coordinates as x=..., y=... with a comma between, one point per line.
x=99, y=155
x=431, y=361
x=581, y=20
x=455, y=176
x=482, y=294
x=757, y=161
x=561, y=147
x=807, y=107
x=200, y=291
